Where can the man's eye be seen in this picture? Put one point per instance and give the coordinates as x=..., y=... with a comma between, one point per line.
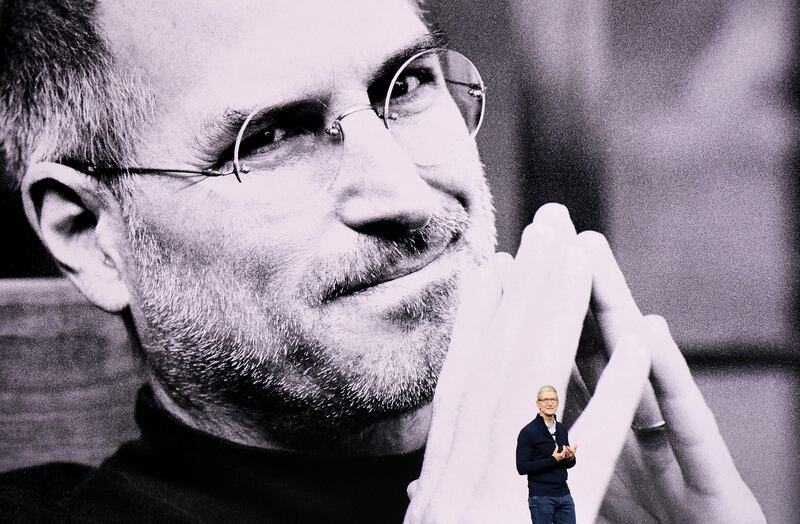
x=410, y=82
x=405, y=84
x=265, y=139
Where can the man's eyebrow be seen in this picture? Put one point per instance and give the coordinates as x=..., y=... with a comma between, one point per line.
x=431, y=40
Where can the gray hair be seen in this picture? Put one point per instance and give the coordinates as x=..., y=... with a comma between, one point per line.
x=64, y=98
x=543, y=389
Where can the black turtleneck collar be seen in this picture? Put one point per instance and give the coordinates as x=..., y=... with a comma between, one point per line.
x=193, y=476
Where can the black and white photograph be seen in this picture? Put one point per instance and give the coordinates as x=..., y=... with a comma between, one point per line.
x=400, y=261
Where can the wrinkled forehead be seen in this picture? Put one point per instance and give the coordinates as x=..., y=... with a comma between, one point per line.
x=252, y=49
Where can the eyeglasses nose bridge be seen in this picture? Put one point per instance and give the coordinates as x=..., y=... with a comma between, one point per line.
x=336, y=129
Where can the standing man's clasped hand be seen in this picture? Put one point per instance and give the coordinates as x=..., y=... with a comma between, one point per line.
x=567, y=452
x=518, y=327
x=560, y=455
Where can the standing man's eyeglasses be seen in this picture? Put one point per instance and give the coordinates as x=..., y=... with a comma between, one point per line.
x=433, y=106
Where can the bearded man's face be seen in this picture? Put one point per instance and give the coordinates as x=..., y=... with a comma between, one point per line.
x=327, y=312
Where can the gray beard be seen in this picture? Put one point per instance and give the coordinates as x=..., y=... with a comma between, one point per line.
x=228, y=353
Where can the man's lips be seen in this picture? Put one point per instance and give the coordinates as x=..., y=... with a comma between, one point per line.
x=364, y=282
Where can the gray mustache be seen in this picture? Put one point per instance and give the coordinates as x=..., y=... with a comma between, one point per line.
x=379, y=257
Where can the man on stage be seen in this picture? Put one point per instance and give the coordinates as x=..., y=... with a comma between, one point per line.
x=544, y=454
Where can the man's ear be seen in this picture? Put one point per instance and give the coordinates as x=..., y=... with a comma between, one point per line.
x=79, y=222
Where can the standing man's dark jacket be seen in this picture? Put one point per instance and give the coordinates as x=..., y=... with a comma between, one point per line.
x=546, y=476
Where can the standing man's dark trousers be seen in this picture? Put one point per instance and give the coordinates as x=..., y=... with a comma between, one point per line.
x=552, y=510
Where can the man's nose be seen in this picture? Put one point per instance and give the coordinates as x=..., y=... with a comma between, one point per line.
x=379, y=187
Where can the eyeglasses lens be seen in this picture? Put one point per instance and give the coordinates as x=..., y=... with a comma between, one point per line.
x=435, y=106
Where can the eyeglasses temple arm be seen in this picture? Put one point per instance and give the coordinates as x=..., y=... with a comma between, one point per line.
x=91, y=169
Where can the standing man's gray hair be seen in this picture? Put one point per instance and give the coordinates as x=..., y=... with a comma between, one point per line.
x=543, y=389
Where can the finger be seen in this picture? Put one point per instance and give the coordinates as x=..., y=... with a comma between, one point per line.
x=551, y=228
x=617, y=314
x=481, y=293
x=555, y=216
x=538, y=241
x=699, y=448
x=605, y=422
x=480, y=296
x=412, y=489
x=546, y=336
x=636, y=495
x=590, y=360
x=613, y=296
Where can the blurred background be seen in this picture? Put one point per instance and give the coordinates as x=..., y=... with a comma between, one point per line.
x=671, y=127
